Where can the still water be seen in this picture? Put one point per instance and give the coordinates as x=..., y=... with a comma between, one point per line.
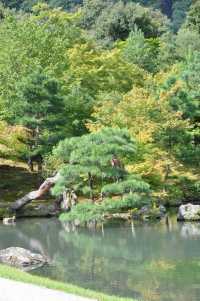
x=149, y=262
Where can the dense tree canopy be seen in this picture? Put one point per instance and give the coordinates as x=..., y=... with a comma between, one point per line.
x=69, y=69
x=193, y=17
x=113, y=21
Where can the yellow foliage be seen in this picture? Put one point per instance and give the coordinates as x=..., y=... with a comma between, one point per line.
x=153, y=166
x=146, y=112
x=162, y=265
x=163, y=76
x=12, y=139
x=102, y=70
x=141, y=113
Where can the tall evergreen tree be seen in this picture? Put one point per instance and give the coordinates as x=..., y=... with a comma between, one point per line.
x=39, y=106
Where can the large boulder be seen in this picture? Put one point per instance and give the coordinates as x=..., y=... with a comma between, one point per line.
x=22, y=258
x=189, y=212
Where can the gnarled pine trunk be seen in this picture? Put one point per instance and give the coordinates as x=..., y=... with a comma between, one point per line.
x=34, y=195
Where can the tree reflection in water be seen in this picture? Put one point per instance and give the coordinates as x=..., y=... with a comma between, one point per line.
x=149, y=261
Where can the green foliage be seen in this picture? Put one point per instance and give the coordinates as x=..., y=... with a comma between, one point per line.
x=87, y=165
x=180, y=9
x=167, y=55
x=38, y=106
x=193, y=17
x=25, y=45
x=190, y=188
x=13, y=3
x=27, y=48
x=130, y=185
x=13, y=141
x=187, y=42
x=186, y=100
x=59, y=81
x=142, y=52
x=33, y=60
x=86, y=212
x=113, y=21
x=91, y=11
x=87, y=160
x=28, y=4
x=55, y=53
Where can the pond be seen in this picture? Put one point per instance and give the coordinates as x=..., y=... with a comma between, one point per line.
x=147, y=261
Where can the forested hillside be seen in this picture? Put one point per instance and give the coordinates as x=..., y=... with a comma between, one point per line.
x=129, y=66
x=175, y=9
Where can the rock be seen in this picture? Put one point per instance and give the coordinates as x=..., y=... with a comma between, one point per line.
x=39, y=208
x=189, y=212
x=22, y=258
x=148, y=213
x=126, y=216
x=9, y=220
x=162, y=209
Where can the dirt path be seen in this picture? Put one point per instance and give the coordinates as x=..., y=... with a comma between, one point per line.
x=16, y=291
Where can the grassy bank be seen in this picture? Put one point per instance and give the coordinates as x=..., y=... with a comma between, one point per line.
x=14, y=274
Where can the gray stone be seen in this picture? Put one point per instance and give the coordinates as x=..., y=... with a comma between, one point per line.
x=22, y=258
x=149, y=213
x=9, y=220
x=189, y=212
x=37, y=210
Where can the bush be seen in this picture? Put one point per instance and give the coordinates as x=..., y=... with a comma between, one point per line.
x=88, y=211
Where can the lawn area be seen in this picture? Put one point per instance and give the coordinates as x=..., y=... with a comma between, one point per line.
x=15, y=274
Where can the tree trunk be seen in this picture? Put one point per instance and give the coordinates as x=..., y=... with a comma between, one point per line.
x=90, y=182
x=66, y=203
x=34, y=195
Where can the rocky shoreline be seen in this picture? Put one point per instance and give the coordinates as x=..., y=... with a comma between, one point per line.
x=47, y=208
x=39, y=208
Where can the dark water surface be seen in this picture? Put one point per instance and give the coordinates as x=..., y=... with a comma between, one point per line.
x=150, y=261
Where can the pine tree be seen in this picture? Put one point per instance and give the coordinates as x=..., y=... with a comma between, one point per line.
x=39, y=107
x=94, y=164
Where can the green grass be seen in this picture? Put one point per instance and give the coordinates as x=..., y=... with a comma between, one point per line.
x=14, y=274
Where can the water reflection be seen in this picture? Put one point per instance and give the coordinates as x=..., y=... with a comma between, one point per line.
x=190, y=230
x=151, y=261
